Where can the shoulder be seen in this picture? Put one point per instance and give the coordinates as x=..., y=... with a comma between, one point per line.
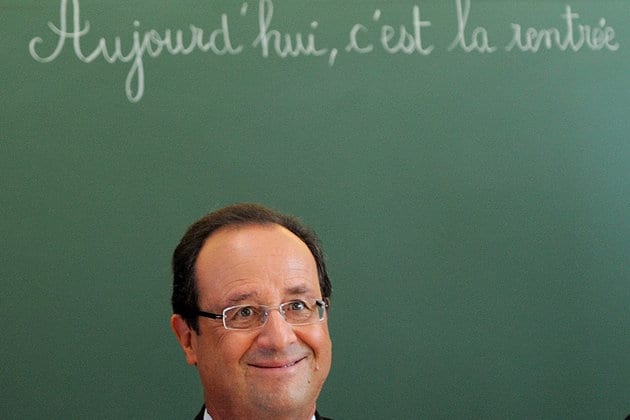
x=199, y=415
x=318, y=417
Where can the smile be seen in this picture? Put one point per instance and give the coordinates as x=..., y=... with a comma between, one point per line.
x=275, y=365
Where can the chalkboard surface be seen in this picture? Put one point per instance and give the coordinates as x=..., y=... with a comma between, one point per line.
x=466, y=164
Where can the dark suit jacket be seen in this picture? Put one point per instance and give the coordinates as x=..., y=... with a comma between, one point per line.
x=203, y=410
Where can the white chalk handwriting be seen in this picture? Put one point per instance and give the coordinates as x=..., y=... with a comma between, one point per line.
x=150, y=42
x=572, y=36
x=412, y=37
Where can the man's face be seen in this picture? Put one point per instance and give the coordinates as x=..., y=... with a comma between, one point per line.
x=278, y=368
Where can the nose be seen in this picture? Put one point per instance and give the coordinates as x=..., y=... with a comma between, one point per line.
x=277, y=333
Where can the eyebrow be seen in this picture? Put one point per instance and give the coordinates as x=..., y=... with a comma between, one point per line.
x=237, y=298
x=241, y=297
x=300, y=289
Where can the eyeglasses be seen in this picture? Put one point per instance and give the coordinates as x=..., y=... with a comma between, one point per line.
x=249, y=317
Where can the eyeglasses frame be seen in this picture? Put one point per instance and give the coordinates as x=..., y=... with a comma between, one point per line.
x=321, y=303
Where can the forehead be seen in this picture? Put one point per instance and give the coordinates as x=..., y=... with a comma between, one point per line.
x=261, y=262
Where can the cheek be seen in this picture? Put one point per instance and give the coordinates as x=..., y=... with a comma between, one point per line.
x=233, y=346
x=220, y=347
x=318, y=339
x=321, y=345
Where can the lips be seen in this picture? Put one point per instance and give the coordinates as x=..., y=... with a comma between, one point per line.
x=274, y=364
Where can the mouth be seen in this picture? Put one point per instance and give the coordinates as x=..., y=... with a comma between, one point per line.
x=276, y=364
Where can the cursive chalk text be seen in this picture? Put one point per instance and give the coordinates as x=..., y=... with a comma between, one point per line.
x=150, y=42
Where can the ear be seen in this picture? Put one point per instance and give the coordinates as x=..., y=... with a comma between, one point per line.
x=184, y=335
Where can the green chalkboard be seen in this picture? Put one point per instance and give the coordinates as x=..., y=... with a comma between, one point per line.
x=466, y=164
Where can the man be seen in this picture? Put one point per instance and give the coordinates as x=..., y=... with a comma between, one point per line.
x=250, y=301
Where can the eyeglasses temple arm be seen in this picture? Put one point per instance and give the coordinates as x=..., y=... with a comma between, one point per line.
x=210, y=315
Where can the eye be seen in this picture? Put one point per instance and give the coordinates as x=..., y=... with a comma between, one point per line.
x=244, y=312
x=296, y=306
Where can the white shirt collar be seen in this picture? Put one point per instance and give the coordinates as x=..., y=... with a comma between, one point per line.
x=206, y=416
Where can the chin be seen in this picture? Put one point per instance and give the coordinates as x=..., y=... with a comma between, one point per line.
x=285, y=399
